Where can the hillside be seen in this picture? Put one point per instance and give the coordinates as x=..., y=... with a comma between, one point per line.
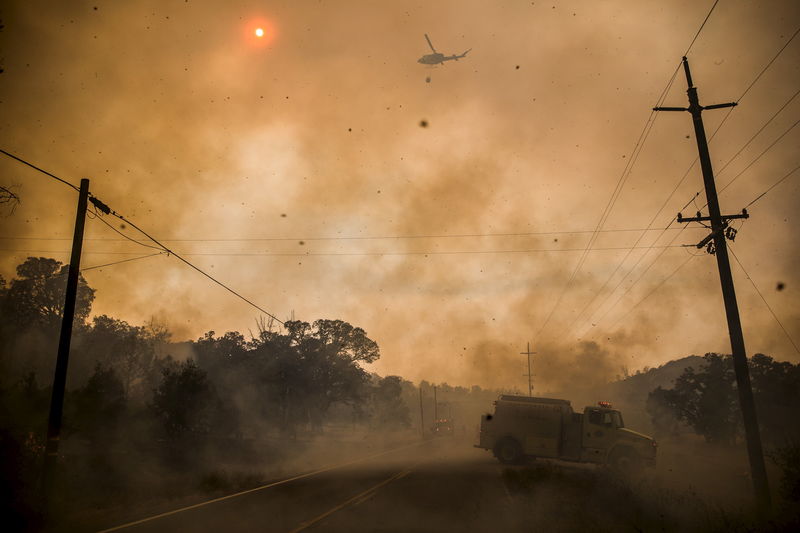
x=630, y=394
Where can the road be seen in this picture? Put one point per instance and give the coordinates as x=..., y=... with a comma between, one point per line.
x=438, y=485
x=444, y=485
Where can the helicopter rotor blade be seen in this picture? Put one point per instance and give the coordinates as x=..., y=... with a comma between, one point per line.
x=429, y=44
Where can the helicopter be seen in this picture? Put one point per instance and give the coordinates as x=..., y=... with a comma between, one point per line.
x=435, y=58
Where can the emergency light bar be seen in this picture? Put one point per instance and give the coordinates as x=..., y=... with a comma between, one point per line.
x=607, y=405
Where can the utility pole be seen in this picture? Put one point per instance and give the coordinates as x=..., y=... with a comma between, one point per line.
x=60, y=378
x=716, y=245
x=435, y=406
x=529, y=353
x=421, y=418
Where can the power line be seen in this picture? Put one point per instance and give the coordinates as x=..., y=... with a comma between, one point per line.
x=198, y=269
x=46, y=173
x=696, y=35
x=619, y=265
x=744, y=93
x=638, y=261
x=654, y=290
x=696, y=194
x=110, y=264
x=721, y=170
x=121, y=261
x=753, y=283
x=353, y=238
x=695, y=161
x=627, y=290
x=620, y=183
x=725, y=118
x=131, y=239
x=641, y=257
x=767, y=149
x=106, y=209
x=614, y=196
x=757, y=198
x=769, y=64
x=346, y=254
x=610, y=277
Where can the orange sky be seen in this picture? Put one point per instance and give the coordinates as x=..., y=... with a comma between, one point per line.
x=309, y=149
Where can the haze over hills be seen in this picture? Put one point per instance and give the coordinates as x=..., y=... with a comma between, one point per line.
x=630, y=393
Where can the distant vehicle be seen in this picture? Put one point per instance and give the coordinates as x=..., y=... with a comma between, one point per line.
x=436, y=58
x=443, y=428
x=523, y=426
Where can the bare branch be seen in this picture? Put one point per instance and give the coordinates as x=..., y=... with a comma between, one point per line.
x=8, y=199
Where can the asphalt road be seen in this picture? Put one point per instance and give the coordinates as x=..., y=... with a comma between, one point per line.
x=445, y=484
x=438, y=485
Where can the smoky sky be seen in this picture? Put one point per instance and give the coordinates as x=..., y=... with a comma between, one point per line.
x=411, y=200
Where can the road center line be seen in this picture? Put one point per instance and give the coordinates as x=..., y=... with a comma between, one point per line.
x=358, y=497
x=256, y=489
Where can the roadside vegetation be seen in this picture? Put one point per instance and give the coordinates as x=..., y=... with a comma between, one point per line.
x=704, y=401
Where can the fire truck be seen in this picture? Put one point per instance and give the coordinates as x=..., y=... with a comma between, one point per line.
x=527, y=427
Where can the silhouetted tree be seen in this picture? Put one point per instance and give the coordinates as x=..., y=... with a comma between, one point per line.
x=220, y=354
x=346, y=340
x=707, y=400
x=388, y=408
x=36, y=296
x=660, y=407
x=776, y=390
x=328, y=352
x=9, y=200
x=129, y=350
x=185, y=401
x=31, y=308
x=291, y=379
x=99, y=405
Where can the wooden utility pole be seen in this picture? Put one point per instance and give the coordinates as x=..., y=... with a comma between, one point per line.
x=60, y=378
x=435, y=406
x=716, y=245
x=529, y=353
x=421, y=418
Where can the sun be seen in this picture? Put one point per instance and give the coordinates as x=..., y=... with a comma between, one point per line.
x=259, y=32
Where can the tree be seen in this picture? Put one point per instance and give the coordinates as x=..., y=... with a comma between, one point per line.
x=660, y=406
x=220, y=353
x=328, y=352
x=36, y=296
x=184, y=402
x=129, y=350
x=8, y=199
x=776, y=391
x=388, y=408
x=707, y=399
x=99, y=404
x=292, y=378
x=343, y=338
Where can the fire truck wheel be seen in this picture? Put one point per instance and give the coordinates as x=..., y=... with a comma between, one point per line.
x=626, y=462
x=508, y=451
